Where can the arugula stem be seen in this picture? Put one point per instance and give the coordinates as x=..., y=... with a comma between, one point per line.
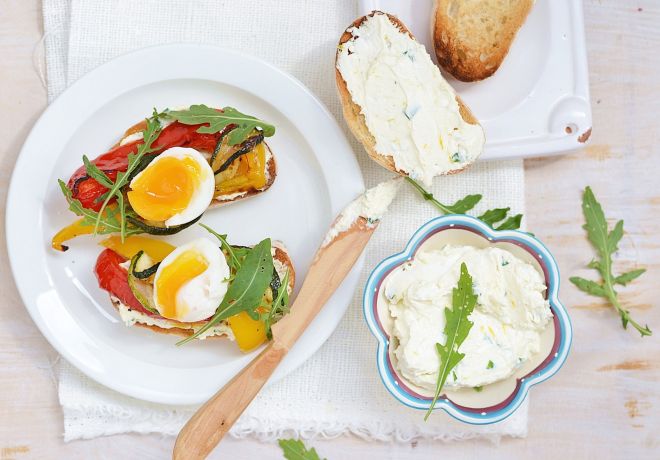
x=428, y=196
x=625, y=314
x=225, y=244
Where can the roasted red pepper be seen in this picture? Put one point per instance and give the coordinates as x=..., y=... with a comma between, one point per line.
x=88, y=190
x=114, y=278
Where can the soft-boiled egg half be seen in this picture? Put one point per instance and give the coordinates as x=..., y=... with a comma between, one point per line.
x=191, y=281
x=175, y=188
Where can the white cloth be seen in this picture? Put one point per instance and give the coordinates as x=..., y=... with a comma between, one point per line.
x=338, y=390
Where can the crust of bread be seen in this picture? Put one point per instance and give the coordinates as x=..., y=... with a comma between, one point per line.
x=271, y=169
x=352, y=111
x=471, y=39
x=281, y=255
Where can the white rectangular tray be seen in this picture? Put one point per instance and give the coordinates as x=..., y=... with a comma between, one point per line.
x=537, y=103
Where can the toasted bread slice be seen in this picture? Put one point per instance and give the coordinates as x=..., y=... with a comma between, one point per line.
x=270, y=169
x=472, y=37
x=353, y=112
x=282, y=262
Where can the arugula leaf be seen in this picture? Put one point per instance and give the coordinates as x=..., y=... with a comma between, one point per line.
x=234, y=263
x=109, y=222
x=457, y=328
x=467, y=203
x=588, y=286
x=460, y=207
x=493, y=216
x=95, y=173
x=219, y=120
x=246, y=290
x=280, y=306
x=512, y=223
x=295, y=450
x=115, y=188
x=627, y=277
x=605, y=242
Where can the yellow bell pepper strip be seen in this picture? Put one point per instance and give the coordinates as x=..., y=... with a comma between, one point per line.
x=157, y=250
x=249, y=333
x=70, y=232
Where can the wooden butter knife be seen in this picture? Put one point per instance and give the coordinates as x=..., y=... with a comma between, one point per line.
x=339, y=252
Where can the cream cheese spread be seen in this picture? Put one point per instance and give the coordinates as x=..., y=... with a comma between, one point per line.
x=510, y=314
x=372, y=205
x=130, y=317
x=408, y=107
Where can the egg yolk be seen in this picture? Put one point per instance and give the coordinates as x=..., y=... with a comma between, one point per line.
x=164, y=188
x=182, y=269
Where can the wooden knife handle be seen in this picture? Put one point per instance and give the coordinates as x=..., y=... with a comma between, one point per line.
x=214, y=419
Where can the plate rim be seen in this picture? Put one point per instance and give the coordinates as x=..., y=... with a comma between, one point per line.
x=13, y=204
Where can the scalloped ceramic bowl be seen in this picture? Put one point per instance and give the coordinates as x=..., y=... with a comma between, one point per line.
x=500, y=399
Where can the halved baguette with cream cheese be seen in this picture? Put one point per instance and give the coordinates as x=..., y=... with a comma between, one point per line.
x=361, y=88
x=281, y=262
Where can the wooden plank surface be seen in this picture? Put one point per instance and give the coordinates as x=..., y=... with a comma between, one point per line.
x=605, y=402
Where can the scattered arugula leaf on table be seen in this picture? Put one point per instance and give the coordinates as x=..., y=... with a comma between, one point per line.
x=457, y=328
x=462, y=206
x=218, y=120
x=605, y=242
x=296, y=450
x=246, y=290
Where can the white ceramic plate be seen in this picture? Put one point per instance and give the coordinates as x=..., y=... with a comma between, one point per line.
x=537, y=103
x=318, y=176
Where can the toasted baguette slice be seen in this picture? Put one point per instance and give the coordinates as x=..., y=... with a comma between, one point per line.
x=353, y=112
x=472, y=37
x=282, y=262
x=270, y=169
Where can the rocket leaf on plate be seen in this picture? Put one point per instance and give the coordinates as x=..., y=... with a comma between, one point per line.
x=218, y=120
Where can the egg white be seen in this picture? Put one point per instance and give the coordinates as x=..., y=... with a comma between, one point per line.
x=203, y=193
x=201, y=295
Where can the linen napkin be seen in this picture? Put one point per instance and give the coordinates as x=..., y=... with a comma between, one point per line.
x=338, y=390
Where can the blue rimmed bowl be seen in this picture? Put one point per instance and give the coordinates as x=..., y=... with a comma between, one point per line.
x=498, y=400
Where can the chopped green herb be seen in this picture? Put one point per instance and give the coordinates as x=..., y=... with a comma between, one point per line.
x=490, y=365
x=478, y=389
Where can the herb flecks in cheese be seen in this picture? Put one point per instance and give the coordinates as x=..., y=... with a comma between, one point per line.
x=408, y=107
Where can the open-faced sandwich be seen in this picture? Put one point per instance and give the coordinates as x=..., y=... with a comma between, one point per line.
x=203, y=289
x=398, y=105
x=167, y=170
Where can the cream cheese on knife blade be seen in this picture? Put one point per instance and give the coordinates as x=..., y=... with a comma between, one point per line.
x=510, y=314
x=372, y=205
x=409, y=108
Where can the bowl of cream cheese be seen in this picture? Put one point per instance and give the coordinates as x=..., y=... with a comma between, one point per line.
x=520, y=333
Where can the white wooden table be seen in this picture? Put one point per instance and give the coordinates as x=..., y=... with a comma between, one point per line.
x=604, y=403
